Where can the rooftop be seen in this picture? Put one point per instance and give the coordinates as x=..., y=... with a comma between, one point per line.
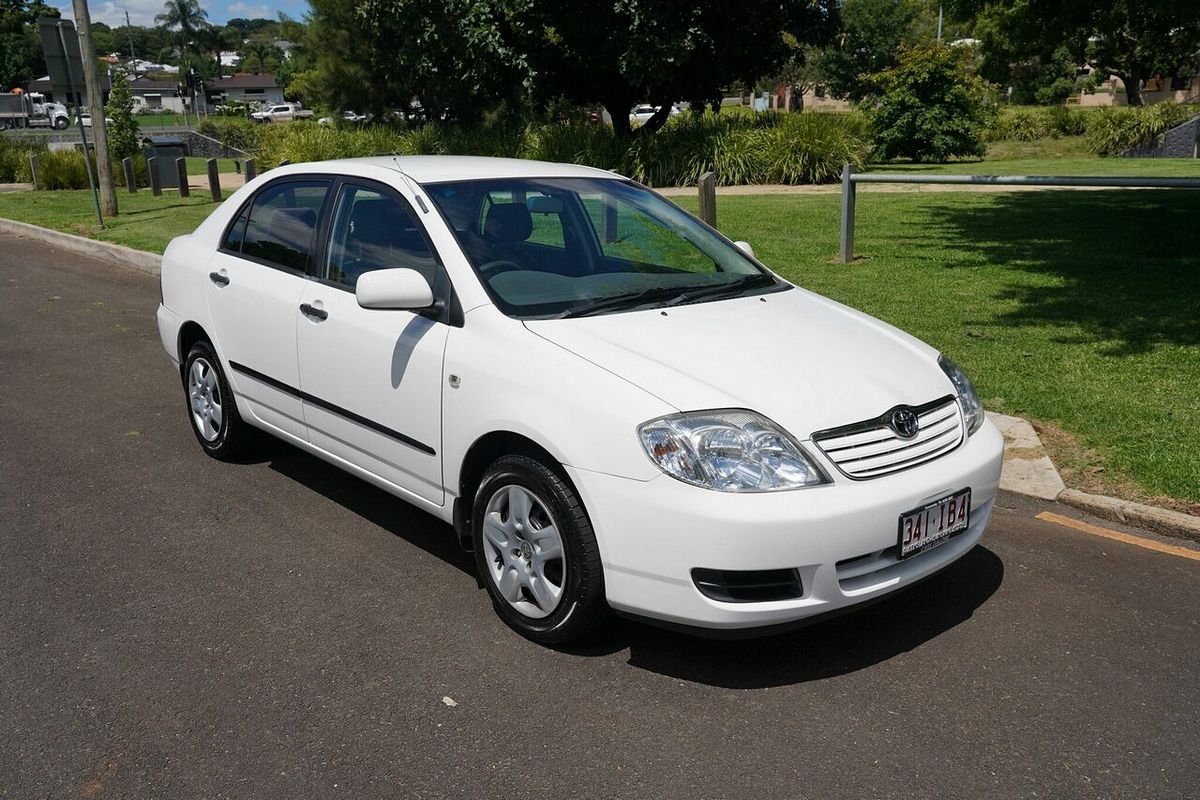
x=440, y=169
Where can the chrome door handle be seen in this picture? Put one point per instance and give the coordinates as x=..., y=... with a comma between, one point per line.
x=318, y=314
x=218, y=278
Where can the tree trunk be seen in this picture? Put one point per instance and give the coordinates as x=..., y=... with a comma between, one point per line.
x=1132, y=79
x=620, y=119
x=656, y=122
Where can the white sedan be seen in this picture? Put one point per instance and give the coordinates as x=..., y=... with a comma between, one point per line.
x=639, y=115
x=615, y=407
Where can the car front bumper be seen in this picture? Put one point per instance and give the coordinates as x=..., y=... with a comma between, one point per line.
x=840, y=538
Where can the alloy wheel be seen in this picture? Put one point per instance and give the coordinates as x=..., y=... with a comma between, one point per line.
x=524, y=551
x=204, y=395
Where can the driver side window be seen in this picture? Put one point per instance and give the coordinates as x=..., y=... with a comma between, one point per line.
x=372, y=230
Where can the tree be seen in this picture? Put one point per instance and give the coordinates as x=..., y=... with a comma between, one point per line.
x=456, y=58
x=1133, y=41
x=123, y=133
x=873, y=32
x=931, y=106
x=188, y=21
x=623, y=52
x=261, y=53
x=20, y=48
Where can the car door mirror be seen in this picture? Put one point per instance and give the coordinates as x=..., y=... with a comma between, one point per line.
x=745, y=248
x=393, y=288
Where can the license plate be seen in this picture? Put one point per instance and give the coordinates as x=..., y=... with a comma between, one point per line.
x=924, y=528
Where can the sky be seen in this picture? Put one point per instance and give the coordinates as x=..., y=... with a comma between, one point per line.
x=141, y=12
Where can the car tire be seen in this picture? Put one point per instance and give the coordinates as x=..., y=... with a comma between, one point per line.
x=511, y=542
x=212, y=409
x=61, y=124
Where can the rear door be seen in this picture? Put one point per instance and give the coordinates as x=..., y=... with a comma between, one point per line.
x=254, y=287
x=372, y=378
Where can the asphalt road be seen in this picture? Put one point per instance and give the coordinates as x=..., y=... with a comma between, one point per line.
x=173, y=627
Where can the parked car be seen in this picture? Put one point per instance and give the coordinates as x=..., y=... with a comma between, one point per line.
x=615, y=407
x=86, y=118
x=351, y=117
x=281, y=112
x=642, y=114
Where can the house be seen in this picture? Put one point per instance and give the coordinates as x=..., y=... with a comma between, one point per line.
x=245, y=88
x=150, y=94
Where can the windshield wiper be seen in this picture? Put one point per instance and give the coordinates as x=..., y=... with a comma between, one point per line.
x=617, y=301
x=712, y=292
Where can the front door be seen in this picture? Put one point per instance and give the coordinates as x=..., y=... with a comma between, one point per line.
x=372, y=378
x=255, y=283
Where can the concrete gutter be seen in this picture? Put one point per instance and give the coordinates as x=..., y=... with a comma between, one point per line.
x=1028, y=470
x=102, y=251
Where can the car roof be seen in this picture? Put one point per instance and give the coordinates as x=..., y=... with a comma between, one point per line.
x=441, y=169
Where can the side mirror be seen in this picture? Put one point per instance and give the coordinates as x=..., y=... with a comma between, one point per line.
x=745, y=248
x=404, y=289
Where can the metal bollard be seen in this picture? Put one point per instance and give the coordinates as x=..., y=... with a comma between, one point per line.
x=848, y=196
x=181, y=171
x=130, y=177
x=214, y=180
x=152, y=174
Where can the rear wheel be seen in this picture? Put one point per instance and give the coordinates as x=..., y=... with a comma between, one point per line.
x=212, y=409
x=536, y=552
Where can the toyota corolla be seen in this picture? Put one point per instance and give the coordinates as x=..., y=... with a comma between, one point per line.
x=614, y=406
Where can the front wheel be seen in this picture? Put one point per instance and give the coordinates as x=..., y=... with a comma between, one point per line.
x=61, y=123
x=536, y=552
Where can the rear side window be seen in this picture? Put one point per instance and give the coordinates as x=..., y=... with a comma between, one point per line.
x=281, y=223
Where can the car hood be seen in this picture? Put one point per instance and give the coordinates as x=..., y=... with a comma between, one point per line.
x=804, y=361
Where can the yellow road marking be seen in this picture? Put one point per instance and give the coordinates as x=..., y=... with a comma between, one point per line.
x=1127, y=538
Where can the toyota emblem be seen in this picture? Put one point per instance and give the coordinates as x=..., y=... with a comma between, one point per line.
x=905, y=422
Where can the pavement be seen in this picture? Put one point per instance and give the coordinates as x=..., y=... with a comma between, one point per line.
x=171, y=626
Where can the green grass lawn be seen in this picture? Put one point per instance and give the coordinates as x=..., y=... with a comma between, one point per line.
x=146, y=222
x=150, y=121
x=1076, y=309
x=198, y=166
x=1062, y=156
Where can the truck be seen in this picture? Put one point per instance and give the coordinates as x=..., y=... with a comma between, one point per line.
x=32, y=110
x=281, y=112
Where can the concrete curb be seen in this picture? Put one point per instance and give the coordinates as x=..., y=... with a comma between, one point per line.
x=103, y=251
x=1153, y=518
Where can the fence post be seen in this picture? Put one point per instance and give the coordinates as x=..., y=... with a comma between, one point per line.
x=214, y=181
x=707, y=185
x=250, y=170
x=848, y=189
x=130, y=177
x=35, y=169
x=152, y=175
x=181, y=171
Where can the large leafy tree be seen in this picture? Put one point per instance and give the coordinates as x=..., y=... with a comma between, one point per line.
x=872, y=34
x=455, y=58
x=1132, y=40
x=20, y=48
x=622, y=52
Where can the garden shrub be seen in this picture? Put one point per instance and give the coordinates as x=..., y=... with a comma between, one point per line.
x=1112, y=131
x=240, y=134
x=65, y=169
x=740, y=148
x=14, y=158
x=931, y=106
x=1027, y=123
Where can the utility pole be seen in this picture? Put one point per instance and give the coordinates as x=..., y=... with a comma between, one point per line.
x=129, y=30
x=939, y=22
x=91, y=78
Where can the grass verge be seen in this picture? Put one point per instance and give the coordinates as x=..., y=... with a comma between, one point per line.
x=1066, y=155
x=1075, y=309
x=146, y=222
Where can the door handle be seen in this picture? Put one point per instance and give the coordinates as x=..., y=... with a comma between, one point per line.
x=319, y=314
x=218, y=278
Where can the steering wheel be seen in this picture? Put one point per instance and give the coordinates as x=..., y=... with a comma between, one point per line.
x=493, y=268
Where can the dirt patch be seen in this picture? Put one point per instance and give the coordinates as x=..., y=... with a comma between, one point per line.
x=1083, y=468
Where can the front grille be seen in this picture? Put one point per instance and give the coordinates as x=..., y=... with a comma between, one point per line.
x=873, y=448
x=748, y=586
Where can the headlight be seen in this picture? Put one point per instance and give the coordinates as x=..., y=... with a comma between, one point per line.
x=968, y=401
x=729, y=451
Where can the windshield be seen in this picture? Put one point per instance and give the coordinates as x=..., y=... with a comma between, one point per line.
x=548, y=247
